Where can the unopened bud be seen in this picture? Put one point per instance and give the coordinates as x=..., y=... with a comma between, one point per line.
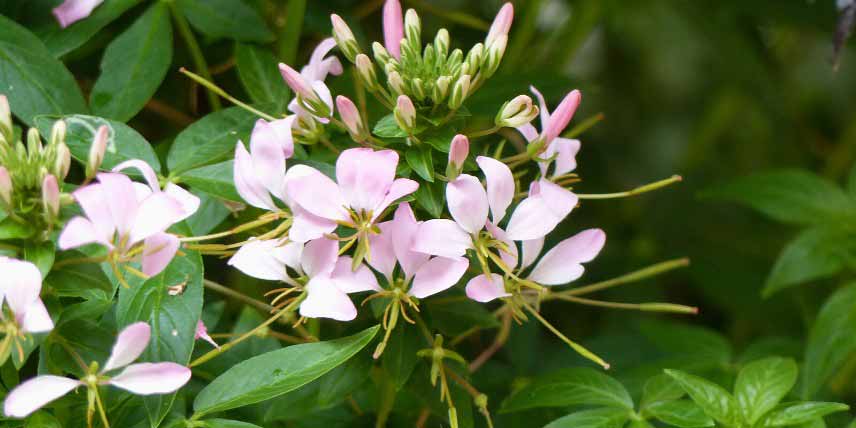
x=96, y=151
x=34, y=143
x=405, y=113
x=441, y=43
x=381, y=55
x=455, y=59
x=517, y=112
x=5, y=119
x=396, y=83
x=458, y=152
x=297, y=83
x=351, y=118
x=418, y=89
x=493, y=57
x=344, y=37
x=460, y=91
x=501, y=24
x=413, y=30
x=429, y=57
x=561, y=116
x=367, y=73
x=63, y=161
x=58, y=133
x=474, y=57
x=50, y=196
x=441, y=89
x=5, y=187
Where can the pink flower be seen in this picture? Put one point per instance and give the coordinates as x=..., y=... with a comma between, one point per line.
x=140, y=378
x=119, y=214
x=330, y=277
x=393, y=246
x=564, y=149
x=20, y=286
x=393, y=27
x=202, y=333
x=365, y=187
x=71, y=11
x=309, y=83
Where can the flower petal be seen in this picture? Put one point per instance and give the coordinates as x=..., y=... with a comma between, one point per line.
x=484, y=289
x=31, y=395
x=438, y=274
x=268, y=157
x=382, y=249
x=306, y=226
x=319, y=257
x=120, y=198
x=282, y=128
x=78, y=232
x=566, y=151
x=188, y=201
x=37, y=319
x=319, y=66
x=393, y=27
x=247, y=184
x=404, y=229
x=441, y=237
x=540, y=213
x=400, y=188
x=530, y=250
x=130, y=344
x=152, y=378
x=258, y=259
x=315, y=192
x=91, y=200
x=500, y=186
x=353, y=281
x=202, y=333
x=561, y=116
x=561, y=264
x=158, y=251
x=529, y=132
x=20, y=283
x=154, y=215
x=325, y=300
x=467, y=201
x=365, y=176
x=542, y=107
x=508, y=257
x=71, y=11
x=145, y=170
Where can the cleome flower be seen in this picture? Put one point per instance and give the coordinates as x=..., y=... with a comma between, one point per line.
x=20, y=287
x=554, y=149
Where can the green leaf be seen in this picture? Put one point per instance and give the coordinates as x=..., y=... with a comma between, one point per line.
x=212, y=211
x=11, y=229
x=455, y=317
x=40, y=254
x=789, y=196
x=386, y=127
x=275, y=373
x=568, y=387
x=831, y=341
x=440, y=139
x=595, y=418
x=713, y=399
x=133, y=66
x=800, y=413
x=83, y=280
x=173, y=319
x=210, y=139
x=226, y=423
x=34, y=81
x=762, y=384
x=216, y=180
x=259, y=74
x=420, y=160
x=680, y=413
x=660, y=388
x=61, y=41
x=851, y=182
x=124, y=142
x=816, y=252
x=399, y=359
x=698, y=346
x=42, y=420
x=431, y=198
x=226, y=18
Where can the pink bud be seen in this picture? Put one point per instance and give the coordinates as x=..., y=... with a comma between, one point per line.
x=296, y=82
x=202, y=333
x=50, y=196
x=350, y=116
x=501, y=24
x=459, y=150
x=561, y=116
x=96, y=150
x=393, y=27
x=405, y=112
x=5, y=186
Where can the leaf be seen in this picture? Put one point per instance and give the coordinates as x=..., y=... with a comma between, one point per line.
x=789, y=196
x=40, y=254
x=386, y=127
x=226, y=18
x=11, y=229
x=440, y=139
x=34, y=81
x=42, y=420
x=214, y=180
x=660, y=388
x=762, y=384
x=399, y=359
x=212, y=211
x=595, y=418
x=60, y=41
x=700, y=347
x=173, y=319
x=455, y=317
x=259, y=75
x=277, y=372
x=421, y=162
x=83, y=280
x=210, y=139
x=715, y=401
x=568, y=387
x=851, y=182
x=816, y=253
x=831, y=341
x=225, y=423
x=800, y=413
x=124, y=142
x=681, y=413
x=133, y=66
x=431, y=198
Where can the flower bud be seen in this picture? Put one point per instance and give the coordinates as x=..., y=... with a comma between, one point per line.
x=298, y=84
x=57, y=133
x=474, y=57
x=501, y=24
x=96, y=151
x=396, y=83
x=418, y=89
x=5, y=119
x=429, y=57
x=393, y=31
x=459, y=92
x=495, y=52
x=351, y=118
x=405, y=113
x=5, y=187
x=560, y=117
x=517, y=112
x=366, y=70
x=381, y=55
x=455, y=59
x=413, y=30
x=441, y=89
x=50, y=196
x=458, y=152
x=62, y=161
x=441, y=43
x=344, y=37
x=34, y=143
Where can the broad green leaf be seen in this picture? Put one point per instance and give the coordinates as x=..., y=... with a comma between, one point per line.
x=215, y=180
x=42, y=420
x=275, y=373
x=124, y=142
x=431, y=197
x=715, y=401
x=12, y=229
x=831, y=341
x=700, y=347
x=35, y=82
x=595, y=418
x=816, y=252
x=440, y=139
x=789, y=196
x=212, y=211
x=226, y=423
x=259, y=74
x=660, y=388
x=233, y=19
x=568, y=387
x=133, y=66
x=83, y=280
x=399, y=358
x=61, y=41
x=210, y=139
x=386, y=127
x=800, y=413
x=40, y=254
x=420, y=160
x=680, y=413
x=762, y=384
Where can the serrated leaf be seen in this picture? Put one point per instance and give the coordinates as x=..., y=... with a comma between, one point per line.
x=715, y=401
x=216, y=180
x=815, y=253
x=680, y=413
x=800, y=413
x=233, y=19
x=259, y=73
x=762, y=384
x=595, y=418
x=568, y=387
x=831, y=341
x=210, y=140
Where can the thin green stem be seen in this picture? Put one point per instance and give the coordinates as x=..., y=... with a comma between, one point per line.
x=195, y=51
x=206, y=82
x=226, y=291
x=484, y=132
x=101, y=411
x=645, y=307
x=574, y=345
x=634, y=276
x=633, y=192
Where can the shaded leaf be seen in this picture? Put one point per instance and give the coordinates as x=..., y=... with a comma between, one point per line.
x=800, y=413
x=816, y=253
x=831, y=340
x=715, y=401
x=61, y=41
x=575, y=386
x=234, y=19
x=680, y=413
x=259, y=73
x=215, y=180
x=596, y=418
x=762, y=384
x=210, y=139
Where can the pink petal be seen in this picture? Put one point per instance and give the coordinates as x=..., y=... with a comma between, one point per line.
x=325, y=300
x=120, y=197
x=154, y=215
x=319, y=66
x=31, y=395
x=529, y=132
x=282, y=129
x=562, y=116
x=400, y=188
x=258, y=259
x=268, y=158
x=247, y=183
x=530, y=250
x=306, y=226
x=393, y=27
x=37, y=319
x=144, y=169
x=296, y=82
x=438, y=274
x=71, y=11
x=152, y=378
x=289, y=254
x=559, y=200
x=382, y=250
x=545, y=113
x=566, y=151
x=91, y=200
x=483, y=289
x=540, y=213
x=501, y=24
x=316, y=193
x=365, y=176
x=561, y=264
x=78, y=232
x=188, y=201
x=458, y=151
x=351, y=281
x=158, y=251
x=500, y=186
x=202, y=333
x=404, y=229
x=441, y=237
x=326, y=96
x=467, y=202
x=130, y=344
x=319, y=257
x=508, y=257
x=20, y=283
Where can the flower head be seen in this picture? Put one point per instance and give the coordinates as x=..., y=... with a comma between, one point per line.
x=309, y=85
x=563, y=150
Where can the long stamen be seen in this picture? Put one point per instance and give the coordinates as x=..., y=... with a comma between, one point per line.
x=575, y=346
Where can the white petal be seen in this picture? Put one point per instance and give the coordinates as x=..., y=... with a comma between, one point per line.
x=441, y=237
x=258, y=259
x=325, y=300
x=152, y=378
x=130, y=344
x=31, y=395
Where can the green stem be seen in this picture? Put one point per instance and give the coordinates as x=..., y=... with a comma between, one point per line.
x=289, y=35
x=101, y=411
x=226, y=291
x=633, y=192
x=574, y=345
x=483, y=132
x=206, y=82
x=634, y=276
x=195, y=51
x=645, y=307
